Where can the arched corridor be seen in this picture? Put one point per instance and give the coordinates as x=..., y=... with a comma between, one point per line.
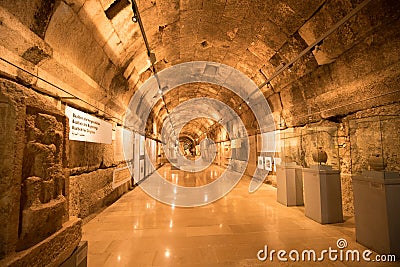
x=194, y=132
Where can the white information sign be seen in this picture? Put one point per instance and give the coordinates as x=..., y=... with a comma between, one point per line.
x=85, y=127
x=269, y=141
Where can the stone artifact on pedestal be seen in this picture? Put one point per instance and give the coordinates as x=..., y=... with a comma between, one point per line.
x=376, y=182
x=376, y=162
x=319, y=155
x=376, y=207
x=322, y=186
x=322, y=193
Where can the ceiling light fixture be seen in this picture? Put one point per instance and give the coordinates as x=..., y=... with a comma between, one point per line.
x=115, y=8
x=289, y=67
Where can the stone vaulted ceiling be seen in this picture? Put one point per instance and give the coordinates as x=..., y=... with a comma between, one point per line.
x=104, y=58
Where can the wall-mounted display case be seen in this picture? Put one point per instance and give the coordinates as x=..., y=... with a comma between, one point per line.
x=309, y=146
x=375, y=144
x=288, y=169
x=289, y=147
x=320, y=148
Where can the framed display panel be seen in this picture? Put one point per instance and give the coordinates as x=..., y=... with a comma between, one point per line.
x=227, y=153
x=146, y=166
x=268, y=142
x=141, y=145
x=141, y=169
x=150, y=156
x=268, y=163
x=121, y=176
x=260, y=162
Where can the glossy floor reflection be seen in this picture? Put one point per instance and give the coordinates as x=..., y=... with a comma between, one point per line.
x=139, y=231
x=190, y=179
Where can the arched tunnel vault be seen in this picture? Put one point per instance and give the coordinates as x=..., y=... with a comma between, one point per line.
x=186, y=92
x=197, y=129
x=104, y=61
x=90, y=55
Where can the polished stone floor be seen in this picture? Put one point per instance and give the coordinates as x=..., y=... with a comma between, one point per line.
x=140, y=231
x=191, y=179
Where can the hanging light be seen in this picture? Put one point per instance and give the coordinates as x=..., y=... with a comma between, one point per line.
x=135, y=17
x=116, y=7
x=289, y=68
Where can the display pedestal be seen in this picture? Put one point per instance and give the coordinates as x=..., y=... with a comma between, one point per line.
x=289, y=184
x=78, y=257
x=377, y=211
x=322, y=194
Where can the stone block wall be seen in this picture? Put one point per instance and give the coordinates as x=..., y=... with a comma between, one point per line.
x=91, y=169
x=44, y=175
x=34, y=179
x=90, y=192
x=11, y=154
x=46, y=180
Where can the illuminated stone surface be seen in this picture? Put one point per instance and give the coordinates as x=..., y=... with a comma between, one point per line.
x=96, y=64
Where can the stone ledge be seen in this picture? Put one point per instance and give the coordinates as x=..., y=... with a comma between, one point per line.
x=53, y=250
x=41, y=220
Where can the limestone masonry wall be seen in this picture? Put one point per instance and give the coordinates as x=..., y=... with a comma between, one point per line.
x=34, y=184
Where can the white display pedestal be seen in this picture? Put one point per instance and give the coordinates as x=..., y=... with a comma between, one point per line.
x=377, y=211
x=322, y=194
x=289, y=183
